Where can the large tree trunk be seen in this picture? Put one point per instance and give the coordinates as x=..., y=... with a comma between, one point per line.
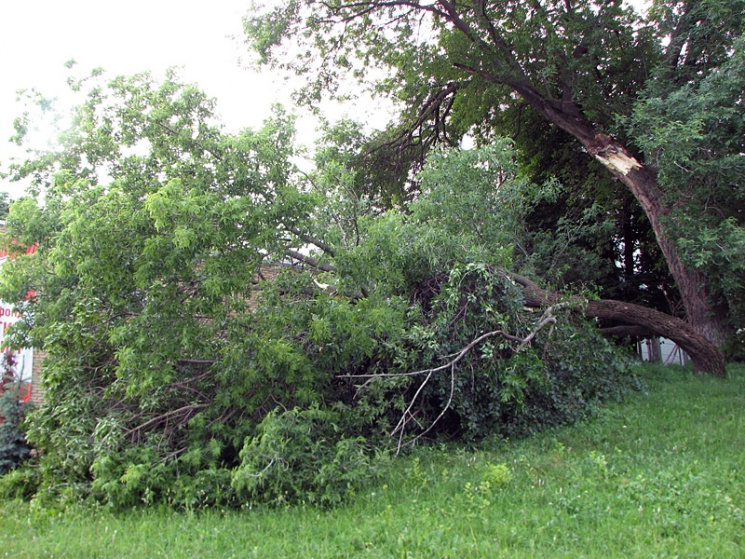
x=705, y=316
x=704, y=354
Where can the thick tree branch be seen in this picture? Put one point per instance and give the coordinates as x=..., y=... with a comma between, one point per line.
x=628, y=330
x=703, y=353
x=309, y=260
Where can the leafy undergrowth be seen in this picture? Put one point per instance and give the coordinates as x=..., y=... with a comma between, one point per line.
x=660, y=475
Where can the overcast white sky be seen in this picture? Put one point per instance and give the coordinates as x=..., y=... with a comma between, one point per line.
x=124, y=37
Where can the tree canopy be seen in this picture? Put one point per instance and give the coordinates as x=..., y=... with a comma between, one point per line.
x=595, y=70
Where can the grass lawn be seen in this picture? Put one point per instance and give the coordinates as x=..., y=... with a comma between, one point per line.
x=659, y=475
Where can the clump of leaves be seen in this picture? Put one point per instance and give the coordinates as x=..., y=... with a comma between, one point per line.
x=303, y=455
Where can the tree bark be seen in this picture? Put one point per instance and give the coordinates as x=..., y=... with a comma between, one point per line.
x=703, y=353
x=705, y=356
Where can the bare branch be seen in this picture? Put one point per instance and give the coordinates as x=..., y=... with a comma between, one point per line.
x=311, y=240
x=309, y=260
x=444, y=410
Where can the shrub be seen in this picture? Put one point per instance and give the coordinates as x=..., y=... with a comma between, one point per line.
x=303, y=456
x=14, y=448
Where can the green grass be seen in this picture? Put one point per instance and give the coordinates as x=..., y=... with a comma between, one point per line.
x=660, y=475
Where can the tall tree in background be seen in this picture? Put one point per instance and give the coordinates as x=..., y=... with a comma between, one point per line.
x=4, y=204
x=578, y=64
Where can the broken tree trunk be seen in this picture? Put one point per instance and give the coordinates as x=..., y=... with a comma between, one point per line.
x=705, y=316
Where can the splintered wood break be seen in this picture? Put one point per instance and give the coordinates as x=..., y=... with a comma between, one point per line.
x=619, y=161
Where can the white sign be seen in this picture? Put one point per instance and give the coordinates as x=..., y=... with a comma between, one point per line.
x=25, y=357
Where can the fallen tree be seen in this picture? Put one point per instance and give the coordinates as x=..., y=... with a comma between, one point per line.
x=487, y=217
x=583, y=67
x=635, y=320
x=174, y=377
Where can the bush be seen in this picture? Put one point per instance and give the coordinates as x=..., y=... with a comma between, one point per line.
x=303, y=456
x=14, y=448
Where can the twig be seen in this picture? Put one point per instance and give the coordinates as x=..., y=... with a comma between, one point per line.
x=402, y=422
x=173, y=454
x=261, y=473
x=164, y=416
x=446, y=408
x=548, y=320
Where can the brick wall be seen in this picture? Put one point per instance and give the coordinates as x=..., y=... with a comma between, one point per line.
x=37, y=391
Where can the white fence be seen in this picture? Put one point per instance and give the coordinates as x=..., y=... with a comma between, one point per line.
x=669, y=352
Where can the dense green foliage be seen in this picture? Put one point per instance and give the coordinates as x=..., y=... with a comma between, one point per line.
x=661, y=87
x=659, y=475
x=223, y=330
x=694, y=133
x=298, y=455
x=14, y=448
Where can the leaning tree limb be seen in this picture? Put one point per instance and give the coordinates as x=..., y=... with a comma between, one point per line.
x=705, y=356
